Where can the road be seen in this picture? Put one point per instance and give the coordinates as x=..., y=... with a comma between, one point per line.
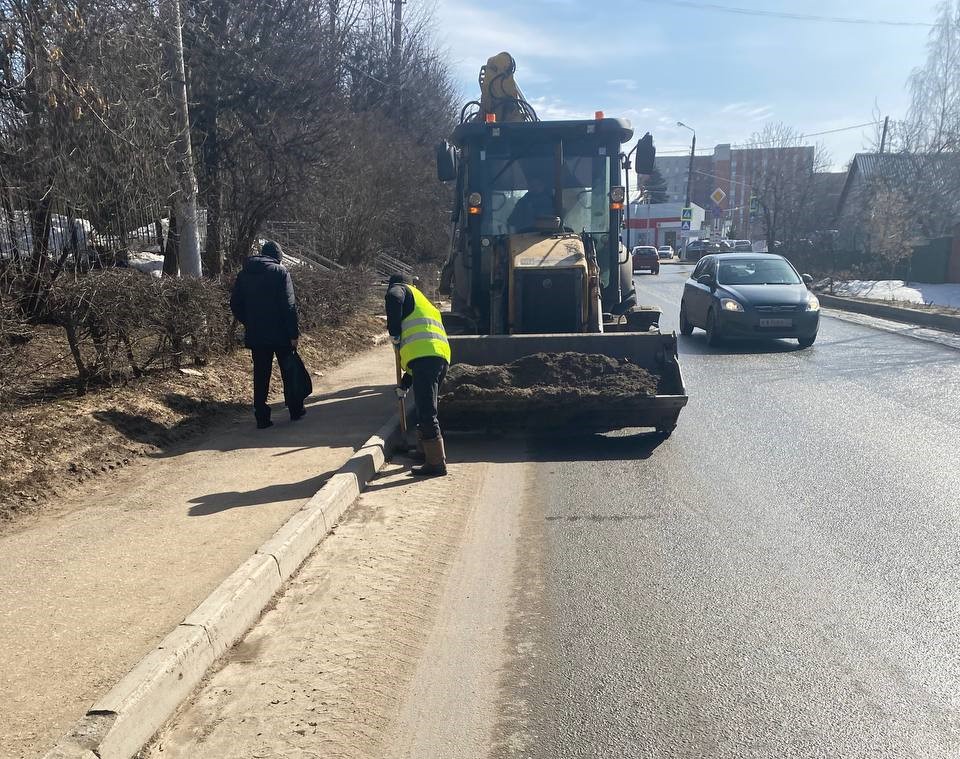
x=778, y=579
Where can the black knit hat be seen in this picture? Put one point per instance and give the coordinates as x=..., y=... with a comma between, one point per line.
x=272, y=250
x=399, y=279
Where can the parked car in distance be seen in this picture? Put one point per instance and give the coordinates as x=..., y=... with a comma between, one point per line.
x=742, y=246
x=694, y=250
x=699, y=248
x=749, y=295
x=665, y=252
x=646, y=258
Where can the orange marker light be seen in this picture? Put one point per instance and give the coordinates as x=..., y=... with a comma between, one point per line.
x=598, y=115
x=616, y=206
x=491, y=118
x=474, y=210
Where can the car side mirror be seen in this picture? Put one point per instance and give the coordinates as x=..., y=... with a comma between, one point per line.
x=807, y=279
x=707, y=279
x=624, y=255
x=446, y=162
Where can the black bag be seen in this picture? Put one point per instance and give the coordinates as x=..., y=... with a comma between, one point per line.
x=299, y=385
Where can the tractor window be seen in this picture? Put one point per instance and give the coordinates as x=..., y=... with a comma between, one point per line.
x=586, y=193
x=520, y=189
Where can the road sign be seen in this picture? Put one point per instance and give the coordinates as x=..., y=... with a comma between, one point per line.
x=717, y=196
x=754, y=204
x=686, y=215
x=685, y=224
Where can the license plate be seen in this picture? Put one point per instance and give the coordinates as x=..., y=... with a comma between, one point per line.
x=776, y=322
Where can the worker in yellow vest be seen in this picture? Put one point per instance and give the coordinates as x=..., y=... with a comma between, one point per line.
x=417, y=331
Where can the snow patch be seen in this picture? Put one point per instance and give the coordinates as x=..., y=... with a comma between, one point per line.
x=897, y=289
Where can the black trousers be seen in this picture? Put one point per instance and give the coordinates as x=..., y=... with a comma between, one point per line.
x=428, y=374
x=262, y=366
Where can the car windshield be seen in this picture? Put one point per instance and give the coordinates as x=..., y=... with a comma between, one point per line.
x=761, y=271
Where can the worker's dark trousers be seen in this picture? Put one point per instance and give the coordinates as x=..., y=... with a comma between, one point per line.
x=262, y=366
x=428, y=374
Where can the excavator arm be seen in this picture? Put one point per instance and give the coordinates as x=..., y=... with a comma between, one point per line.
x=499, y=93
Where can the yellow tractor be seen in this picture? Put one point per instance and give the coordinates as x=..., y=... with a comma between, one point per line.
x=536, y=248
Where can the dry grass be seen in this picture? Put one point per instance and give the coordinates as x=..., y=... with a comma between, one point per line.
x=58, y=439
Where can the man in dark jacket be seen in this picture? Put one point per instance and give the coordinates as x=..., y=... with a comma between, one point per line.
x=263, y=301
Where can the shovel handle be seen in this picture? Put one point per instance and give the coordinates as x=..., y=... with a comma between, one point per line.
x=403, y=405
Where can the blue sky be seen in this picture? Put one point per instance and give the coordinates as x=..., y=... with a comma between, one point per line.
x=726, y=75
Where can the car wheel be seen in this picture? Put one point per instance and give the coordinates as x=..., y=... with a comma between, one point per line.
x=655, y=271
x=713, y=336
x=686, y=328
x=806, y=342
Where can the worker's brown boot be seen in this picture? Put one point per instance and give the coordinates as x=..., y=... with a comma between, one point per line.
x=436, y=456
x=417, y=453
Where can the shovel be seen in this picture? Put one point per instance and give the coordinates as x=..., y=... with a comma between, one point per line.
x=401, y=401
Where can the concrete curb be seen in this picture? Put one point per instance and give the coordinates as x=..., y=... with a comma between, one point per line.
x=896, y=313
x=126, y=718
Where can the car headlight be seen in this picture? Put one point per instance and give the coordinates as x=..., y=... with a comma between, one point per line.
x=813, y=302
x=729, y=304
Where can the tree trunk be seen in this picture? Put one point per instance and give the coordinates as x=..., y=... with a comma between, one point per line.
x=171, y=258
x=186, y=204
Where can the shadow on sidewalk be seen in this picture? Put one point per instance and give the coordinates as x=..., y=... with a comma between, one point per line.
x=214, y=503
x=344, y=418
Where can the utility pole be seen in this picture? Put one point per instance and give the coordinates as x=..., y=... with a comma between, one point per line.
x=186, y=205
x=693, y=150
x=397, y=52
x=883, y=138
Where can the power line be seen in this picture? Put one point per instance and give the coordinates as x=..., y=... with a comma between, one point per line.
x=811, y=134
x=790, y=16
x=760, y=143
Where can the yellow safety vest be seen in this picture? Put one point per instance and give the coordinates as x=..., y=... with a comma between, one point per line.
x=422, y=333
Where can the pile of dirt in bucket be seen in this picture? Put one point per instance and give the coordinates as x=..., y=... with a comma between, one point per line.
x=568, y=385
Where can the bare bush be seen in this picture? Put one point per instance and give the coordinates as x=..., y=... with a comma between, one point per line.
x=14, y=333
x=329, y=299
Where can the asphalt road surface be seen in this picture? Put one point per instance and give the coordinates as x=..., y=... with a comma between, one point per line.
x=778, y=579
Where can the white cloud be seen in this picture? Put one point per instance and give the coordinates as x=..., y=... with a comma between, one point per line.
x=623, y=84
x=551, y=109
x=474, y=33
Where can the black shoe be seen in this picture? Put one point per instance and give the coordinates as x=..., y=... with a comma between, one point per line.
x=298, y=415
x=429, y=470
x=264, y=424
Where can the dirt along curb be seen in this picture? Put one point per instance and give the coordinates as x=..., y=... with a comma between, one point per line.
x=124, y=720
x=895, y=313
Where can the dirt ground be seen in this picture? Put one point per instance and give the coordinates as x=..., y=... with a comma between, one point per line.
x=59, y=440
x=543, y=391
x=543, y=374
x=94, y=580
x=390, y=641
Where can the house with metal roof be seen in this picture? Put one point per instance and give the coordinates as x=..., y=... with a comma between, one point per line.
x=928, y=183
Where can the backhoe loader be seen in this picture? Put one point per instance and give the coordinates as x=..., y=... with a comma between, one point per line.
x=536, y=262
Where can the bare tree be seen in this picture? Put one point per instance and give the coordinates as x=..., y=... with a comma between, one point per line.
x=81, y=117
x=784, y=181
x=932, y=124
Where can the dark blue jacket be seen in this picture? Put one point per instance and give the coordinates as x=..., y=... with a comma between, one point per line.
x=263, y=301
